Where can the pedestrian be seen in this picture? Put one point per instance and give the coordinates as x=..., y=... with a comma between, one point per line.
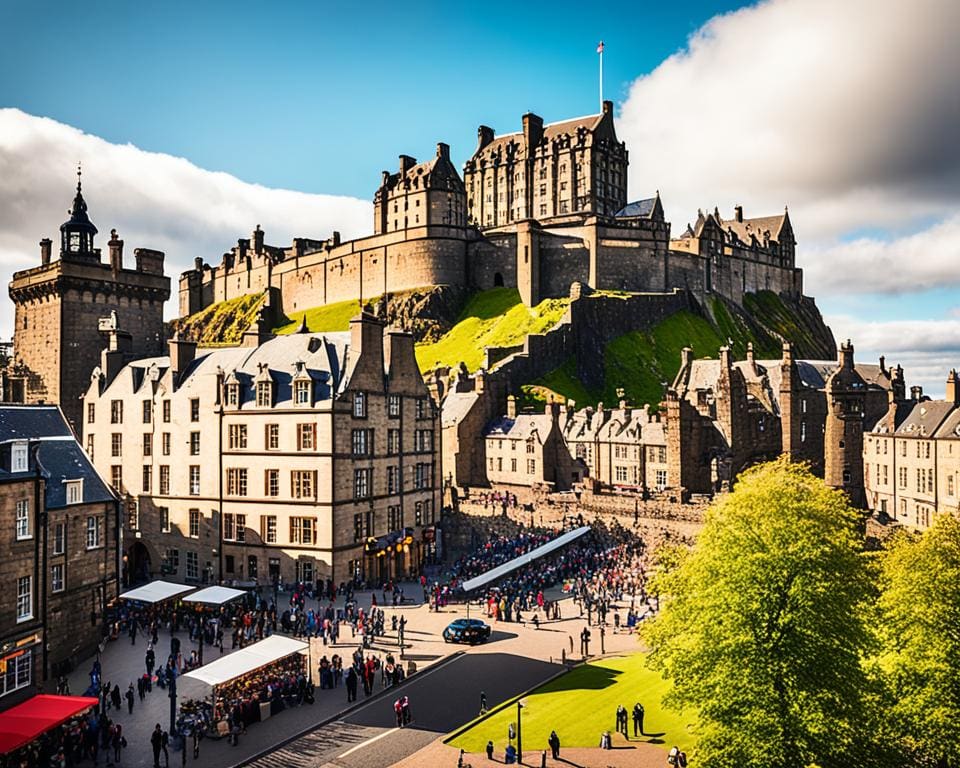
x=638, y=719
x=150, y=659
x=156, y=739
x=118, y=741
x=398, y=711
x=130, y=699
x=351, y=684
x=115, y=698
x=196, y=743
x=133, y=632
x=490, y=750
x=483, y=703
x=405, y=705
x=164, y=743
x=605, y=741
x=554, y=742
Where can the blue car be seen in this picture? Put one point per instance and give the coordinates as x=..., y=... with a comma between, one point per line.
x=467, y=631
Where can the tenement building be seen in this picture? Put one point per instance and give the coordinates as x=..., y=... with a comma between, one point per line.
x=61, y=563
x=536, y=209
x=911, y=458
x=302, y=457
x=59, y=306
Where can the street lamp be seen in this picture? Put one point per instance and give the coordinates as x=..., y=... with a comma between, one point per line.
x=520, y=706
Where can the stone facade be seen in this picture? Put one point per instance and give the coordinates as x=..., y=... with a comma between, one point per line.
x=911, y=458
x=536, y=210
x=61, y=538
x=59, y=306
x=302, y=457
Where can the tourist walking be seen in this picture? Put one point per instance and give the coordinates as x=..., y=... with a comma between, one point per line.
x=156, y=739
x=638, y=719
x=554, y=742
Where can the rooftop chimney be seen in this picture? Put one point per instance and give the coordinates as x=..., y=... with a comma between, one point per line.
x=532, y=129
x=916, y=392
x=738, y=213
x=116, y=252
x=182, y=354
x=686, y=356
x=724, y=358
x=750, y=352
x=45, y=246
x=511, y=407
x=787, y=352
x=406, y=163
x=846, y=355
x=883, y=364
x=607, y=108
x=257, y=240
x=953, y=391
x=443, y=150
x=484, y=136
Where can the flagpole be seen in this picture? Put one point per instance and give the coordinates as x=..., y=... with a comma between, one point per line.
x=601, y=76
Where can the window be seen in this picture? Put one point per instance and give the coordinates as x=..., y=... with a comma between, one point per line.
x=56, y=578
x=531, y=466
x=393, y=480
x=59, y=538
x=24, y=598
x=91, y=413
x=393, y=442
x=305, y=571
x=846, y=476
x=621, y=474
x=19, y=672
x=90, y=446
x=165, y=444
x=423, y=440
x=949, y=485
x=803, y=431
x=164, y=520
x=166, y=411
x=306, y=437
x=23, y=519
x=513, y=465
x=301, y=392
x=422, y=410
x=531, y=448
x=172, y=560
x=271, y=437
x=237, y=482
x=271, y=482
x=903, y=449
x=241, y=527
x=302, y=484
x=302, y=530
x=252, y=566
x=264, y=394
x=194, y=523
x=357, y=527
x=147, y=444
x=194, y=409
x=421, y=478
x=228, y=523
x=393, y=406
x=147, y=411
x=361, y=483
x=193, y=565
x=270, y=529
x=147, y=477
x=233, y=395
x=661, y=479
x=360, y=405
x=164, y=479
x=394, y=517
x=237, y=439
x=360, y=443
x=94, y=532
x=229, y=564
x=194, y=480
x=194, y=443
x=116, y=477
x=116, y=411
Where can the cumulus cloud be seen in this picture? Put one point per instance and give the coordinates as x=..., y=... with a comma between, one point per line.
x=153, y=200
x=846, y=111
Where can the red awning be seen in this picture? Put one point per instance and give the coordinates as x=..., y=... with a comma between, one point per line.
x=23, y=723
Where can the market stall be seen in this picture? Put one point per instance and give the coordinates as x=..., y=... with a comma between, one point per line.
x=249, y=685
x=156, y=592
x=24, y=728
x=210, y=603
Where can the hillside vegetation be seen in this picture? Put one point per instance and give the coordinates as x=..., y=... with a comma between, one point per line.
x=491, y=318
x=332, y=317
x=222, y=324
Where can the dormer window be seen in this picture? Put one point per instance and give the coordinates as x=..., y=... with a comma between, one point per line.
x=360, y=405
x=18, y=457
x=264, y=394
x=232, y=395
x=74, y=491
x=301, y=392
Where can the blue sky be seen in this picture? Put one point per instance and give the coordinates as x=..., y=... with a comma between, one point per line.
x=197, y=121
x=337, y=91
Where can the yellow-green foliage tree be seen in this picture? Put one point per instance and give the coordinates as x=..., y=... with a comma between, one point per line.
x=919, y=624
x=761, y=628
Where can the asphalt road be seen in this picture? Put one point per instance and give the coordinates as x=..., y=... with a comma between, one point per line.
x=441, y=700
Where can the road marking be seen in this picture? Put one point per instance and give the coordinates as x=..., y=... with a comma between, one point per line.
x=366, y=743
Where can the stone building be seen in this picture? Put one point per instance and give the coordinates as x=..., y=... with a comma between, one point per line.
x=536, y=210
x=61, y=562
x=911, y=458
x=723, y=415
x=59, y=306
x=299, y=457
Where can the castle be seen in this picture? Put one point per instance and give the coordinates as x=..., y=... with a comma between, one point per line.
x=536, y=210
x=60, y=308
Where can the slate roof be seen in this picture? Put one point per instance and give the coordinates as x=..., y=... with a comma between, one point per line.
x=756, y=227
x=950, y=428
x=637, y=208
x=522, y=427
x=925, y=418
x=60, y=456
x=456, y=405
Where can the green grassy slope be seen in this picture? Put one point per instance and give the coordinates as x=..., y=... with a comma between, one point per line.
x=222, y=324
x=581, y=704
x=491, y=318
x=332, y=317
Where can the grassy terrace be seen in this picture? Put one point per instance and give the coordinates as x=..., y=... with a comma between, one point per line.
x=581, y=704
x=491, y=318
x=331, y=317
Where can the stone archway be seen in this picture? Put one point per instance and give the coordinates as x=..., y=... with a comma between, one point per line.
x=497, y=280
x=137, y=564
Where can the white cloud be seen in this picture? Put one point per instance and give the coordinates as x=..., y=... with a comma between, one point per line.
x=153, y=200
x=847, y=111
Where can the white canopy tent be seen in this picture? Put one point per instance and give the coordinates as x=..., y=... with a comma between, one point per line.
x=502, y=570
x=215, y=595
x=251, y=658
x=156, y=592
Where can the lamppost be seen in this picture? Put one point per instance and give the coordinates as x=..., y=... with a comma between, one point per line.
x=520, y=706
x=172, y=674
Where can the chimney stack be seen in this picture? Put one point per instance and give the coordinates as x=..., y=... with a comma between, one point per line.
x=182, y=354
x=511, y=407
x=738, y=213
x=406, y=163
x=484, y=136
x=532, y=129
x=846, y=355
x=45, y=246
x=686, y=356
x=916, y=392
x=443, y=150
x=953, y=391
x=258, y=240
x=116, y=252
x=725, y=363
x=750, y=353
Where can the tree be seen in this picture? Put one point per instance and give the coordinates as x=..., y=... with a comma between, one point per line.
x=762, y=628
x=918, y=622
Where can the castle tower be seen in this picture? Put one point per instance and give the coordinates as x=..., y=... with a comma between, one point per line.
x=59, y=305
x=843, y=433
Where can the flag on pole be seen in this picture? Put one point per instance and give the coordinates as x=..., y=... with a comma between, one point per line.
x=600, y=47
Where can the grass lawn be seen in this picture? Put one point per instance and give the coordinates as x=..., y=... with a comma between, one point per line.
x=582, y=704
x=330, y=317
x=491, y=318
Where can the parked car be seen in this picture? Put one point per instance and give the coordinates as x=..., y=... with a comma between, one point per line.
x=467, y=631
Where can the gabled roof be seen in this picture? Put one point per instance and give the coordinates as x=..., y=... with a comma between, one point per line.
x=523, y=427
x=757, y=227
x=456, y=406
x=925, y=418
x=639, y=208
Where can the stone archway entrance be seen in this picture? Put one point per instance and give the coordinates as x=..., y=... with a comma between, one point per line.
x=137, y=564
x=497, y=280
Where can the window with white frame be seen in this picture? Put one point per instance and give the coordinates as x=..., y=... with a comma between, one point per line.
x=302, y=484
x=241, y=527
x=59, y=538
x=19, y=673
x=193, y=565
x=661, y=479
x=302, y=530
x=116, y=411
x=360, y=442
x=233, y=395
x=393, y=406
x=164, y=520
x=228, y=523
x=94, y=532
x=361, y=483
x=271, y=482
x=56, y=577
x=237, y=481
x=360, y=405
x=237, y=439
x=18, y=457
x=23, y=519
x=301, y=392
x=264, y=394
x=306, y=437
x=194, y=480
x=270, y=529
x=171, y=559
x=24, y=598
x=164, y=479
x=272, y=437
x=194, y=523
x=74, y=491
